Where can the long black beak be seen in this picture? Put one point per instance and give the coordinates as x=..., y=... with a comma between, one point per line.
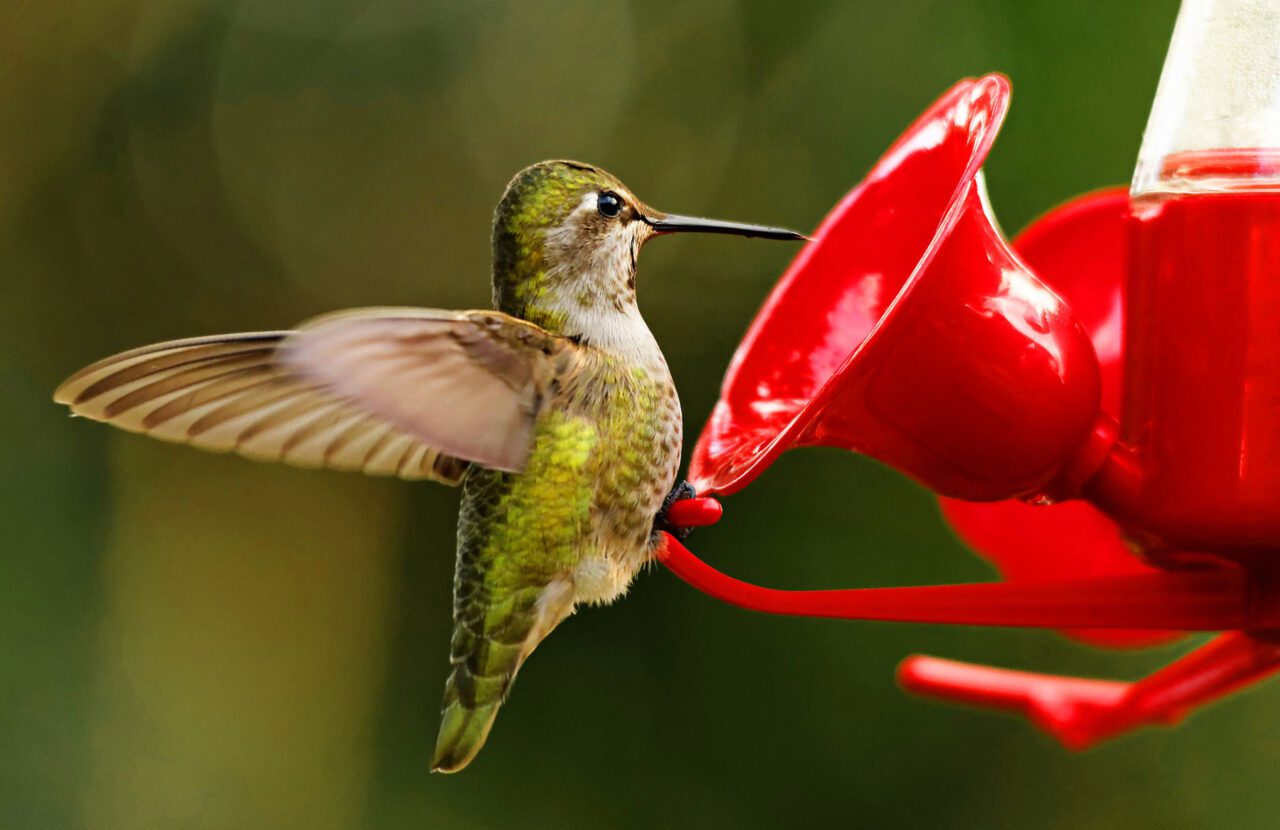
x=667, y=223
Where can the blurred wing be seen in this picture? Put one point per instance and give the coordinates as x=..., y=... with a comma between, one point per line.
x=231, y=393
x=468, y=382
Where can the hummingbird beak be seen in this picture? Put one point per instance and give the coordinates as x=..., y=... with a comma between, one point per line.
x=669, y=223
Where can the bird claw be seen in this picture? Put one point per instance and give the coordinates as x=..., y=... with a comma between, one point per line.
x=662, y=523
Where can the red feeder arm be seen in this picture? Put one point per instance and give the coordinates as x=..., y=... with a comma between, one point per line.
x=1121, y=509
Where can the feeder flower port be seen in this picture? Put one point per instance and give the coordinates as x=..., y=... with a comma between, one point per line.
x=1095, y=404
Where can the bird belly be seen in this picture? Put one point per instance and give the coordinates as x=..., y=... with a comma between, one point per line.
x=633, y=467
x=600, y=579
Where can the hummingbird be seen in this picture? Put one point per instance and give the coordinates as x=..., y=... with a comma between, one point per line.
x=555, y=412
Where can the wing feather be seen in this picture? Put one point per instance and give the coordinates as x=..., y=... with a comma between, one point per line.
x=413, y=393
x=470, y=382
x=231, y=394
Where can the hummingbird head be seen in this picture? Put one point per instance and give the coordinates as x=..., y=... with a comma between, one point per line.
x=566, y=238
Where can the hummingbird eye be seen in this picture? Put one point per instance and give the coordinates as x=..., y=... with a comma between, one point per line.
x=609, y=204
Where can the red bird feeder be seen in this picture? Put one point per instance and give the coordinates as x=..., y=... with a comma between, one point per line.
x=1119, y=462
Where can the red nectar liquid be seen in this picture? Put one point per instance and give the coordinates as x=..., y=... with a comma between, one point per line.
x=1202, y=361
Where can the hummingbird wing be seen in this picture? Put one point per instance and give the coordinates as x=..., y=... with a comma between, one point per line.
x=469, y=382
x=230, y=393
x=343, y=392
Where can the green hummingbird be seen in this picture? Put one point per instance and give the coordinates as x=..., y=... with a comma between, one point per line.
x=555, y=412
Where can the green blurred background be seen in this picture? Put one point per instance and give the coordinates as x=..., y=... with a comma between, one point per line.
x=191, y=640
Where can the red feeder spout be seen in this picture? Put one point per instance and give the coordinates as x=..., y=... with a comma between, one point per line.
x=910, y=331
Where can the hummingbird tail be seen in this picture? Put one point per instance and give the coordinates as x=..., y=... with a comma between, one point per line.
x=463, y=732
x=485, y=664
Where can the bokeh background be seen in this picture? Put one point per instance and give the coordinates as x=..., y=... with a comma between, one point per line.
x=189, y=640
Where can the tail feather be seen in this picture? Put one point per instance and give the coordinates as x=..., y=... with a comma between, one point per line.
x=485, y=664
x=463, y=732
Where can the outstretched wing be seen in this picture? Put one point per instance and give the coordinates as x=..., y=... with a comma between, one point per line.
x=340, y=393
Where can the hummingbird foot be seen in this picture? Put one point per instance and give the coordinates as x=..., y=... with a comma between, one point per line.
x=662, y=523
